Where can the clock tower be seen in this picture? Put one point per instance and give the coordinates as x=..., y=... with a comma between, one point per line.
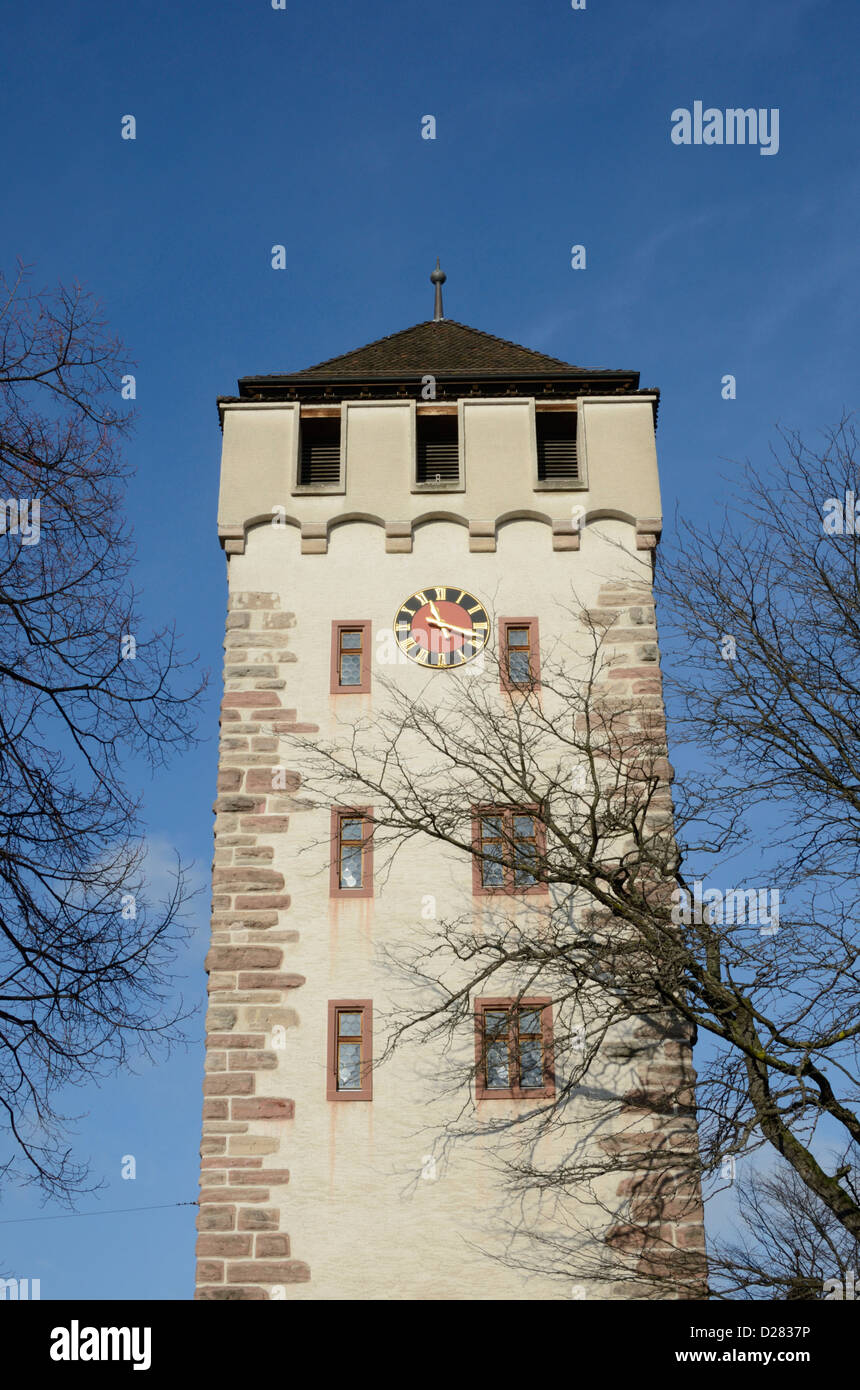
x=398, y=514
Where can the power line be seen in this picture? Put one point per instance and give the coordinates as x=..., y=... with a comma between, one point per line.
x=114, y=1211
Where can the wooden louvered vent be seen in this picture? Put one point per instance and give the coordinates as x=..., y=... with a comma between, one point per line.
x=438, y=453
x=320, y=453
x=556, y=446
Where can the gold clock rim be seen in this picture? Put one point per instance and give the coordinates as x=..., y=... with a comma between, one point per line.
x=459, y=664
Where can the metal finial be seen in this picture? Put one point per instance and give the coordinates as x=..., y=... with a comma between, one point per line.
x=438, y=278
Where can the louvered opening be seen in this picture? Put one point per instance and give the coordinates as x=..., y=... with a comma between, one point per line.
x=556, y=446
x=438, y=453
x=320, y=453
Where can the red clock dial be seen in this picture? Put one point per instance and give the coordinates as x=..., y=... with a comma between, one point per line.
x=442, y=626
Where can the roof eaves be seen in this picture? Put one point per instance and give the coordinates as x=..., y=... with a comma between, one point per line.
x=456, y=374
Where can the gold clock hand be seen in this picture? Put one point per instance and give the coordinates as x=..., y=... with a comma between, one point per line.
x=440, y=622
x=452, y=627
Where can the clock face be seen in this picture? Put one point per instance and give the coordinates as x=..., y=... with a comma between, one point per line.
x=442, y=627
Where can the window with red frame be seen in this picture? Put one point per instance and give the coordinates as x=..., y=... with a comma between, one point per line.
x=519, y=650
x=507, y=843
x=351, y=853
x=514, y=1048
x=350, y=657
x=350, y=1049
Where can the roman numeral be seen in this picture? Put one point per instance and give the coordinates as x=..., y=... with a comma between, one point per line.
x=476, y=609
x=422, y=599
x=423, y=658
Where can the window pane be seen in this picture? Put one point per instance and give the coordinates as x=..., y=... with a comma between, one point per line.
x=350, y=866
x=498, y=1065
x=524, y=876
x=531, y=1069
x=349, y=1067
x=349, y=1025
x=350, y=829
x=519, y=671
x=491, y=827
x=492, y=874
x=518, y=636
x=495, y=1022
x=529, y=1021
x=350, y=639
x=524, y=826
x=350, y=670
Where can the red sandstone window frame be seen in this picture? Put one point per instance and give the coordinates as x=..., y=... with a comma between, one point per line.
x=339, y=814
x=335, y=1008
x=533, y=683
x=508, y=888
x=364, y=626
x=533, y=1003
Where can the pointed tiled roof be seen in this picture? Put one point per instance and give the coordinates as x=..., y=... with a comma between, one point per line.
x=438, y=348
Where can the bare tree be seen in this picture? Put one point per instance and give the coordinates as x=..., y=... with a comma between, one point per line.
x=764, y=632
x=637, y=965
x=83, y=957
x=790, y=1246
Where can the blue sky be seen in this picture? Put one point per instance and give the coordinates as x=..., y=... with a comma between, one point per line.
x=302, y=127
